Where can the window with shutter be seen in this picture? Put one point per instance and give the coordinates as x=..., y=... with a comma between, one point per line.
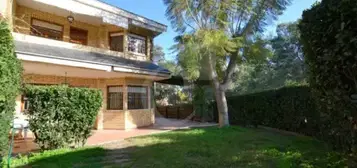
x=78, y=36
x=116, y=41
x=46, y=29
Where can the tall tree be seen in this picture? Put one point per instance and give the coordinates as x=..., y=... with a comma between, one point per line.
x=158, y=54
x=219, y=34
x=285, y=66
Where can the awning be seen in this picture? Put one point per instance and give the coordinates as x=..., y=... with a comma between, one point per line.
x=180, y=81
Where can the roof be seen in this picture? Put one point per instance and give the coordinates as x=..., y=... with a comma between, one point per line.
x=128, y=13
x=85, y=56
x=119, y=11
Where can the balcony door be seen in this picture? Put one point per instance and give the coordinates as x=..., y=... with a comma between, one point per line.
x=116, y=42
x=78, y=36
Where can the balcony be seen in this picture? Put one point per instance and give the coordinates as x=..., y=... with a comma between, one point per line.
x=100, y=28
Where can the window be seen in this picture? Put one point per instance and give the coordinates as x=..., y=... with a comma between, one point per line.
x=137, y=97
x=46, y=29
x=115, y=98
x=137, y=44
x=78, y=36
x=116, y=41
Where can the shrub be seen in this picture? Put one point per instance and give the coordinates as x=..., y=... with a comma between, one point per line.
x=61, y=116
x=290, y=108
x=329, y=37
x=10, y=79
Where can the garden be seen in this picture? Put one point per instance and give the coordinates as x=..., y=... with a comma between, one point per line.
x=292, y=102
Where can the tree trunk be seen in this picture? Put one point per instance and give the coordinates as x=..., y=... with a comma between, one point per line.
x=222, y=107
x=220, y=94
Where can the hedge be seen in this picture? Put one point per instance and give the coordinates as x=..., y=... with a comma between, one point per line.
x=329, y=37
x=290, y=108
x=10, y=82
x=61, y=116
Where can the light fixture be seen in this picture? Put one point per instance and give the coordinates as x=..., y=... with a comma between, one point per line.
x=70, y=18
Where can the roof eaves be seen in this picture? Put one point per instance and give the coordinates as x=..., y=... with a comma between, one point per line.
x=92, y=62
x=128, y=14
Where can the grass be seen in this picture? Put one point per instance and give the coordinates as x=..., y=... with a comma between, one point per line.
x=208, y=147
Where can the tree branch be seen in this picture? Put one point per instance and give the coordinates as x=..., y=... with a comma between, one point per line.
x=193, y=16
x=252, y=19
x=230, y=69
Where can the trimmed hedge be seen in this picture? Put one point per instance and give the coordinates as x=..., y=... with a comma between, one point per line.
x=290, y=108
x=62, y=116
x=329, y=37
x=10, y=82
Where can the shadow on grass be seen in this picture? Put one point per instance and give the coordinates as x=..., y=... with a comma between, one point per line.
x=208, y=147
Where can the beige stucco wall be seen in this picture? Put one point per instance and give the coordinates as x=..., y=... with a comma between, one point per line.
x=7, y=10
x=98, y=35
x=107, y=119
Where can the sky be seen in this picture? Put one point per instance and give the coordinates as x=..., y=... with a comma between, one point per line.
x=155, y=10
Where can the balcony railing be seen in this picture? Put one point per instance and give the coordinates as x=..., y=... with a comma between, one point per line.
x=63, y=44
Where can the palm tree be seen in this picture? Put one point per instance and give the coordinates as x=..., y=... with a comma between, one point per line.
x=216, y=35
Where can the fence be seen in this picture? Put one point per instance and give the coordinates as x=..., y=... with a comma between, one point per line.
x=177, y=111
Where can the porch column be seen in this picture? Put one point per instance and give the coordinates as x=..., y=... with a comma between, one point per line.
x=125, y=44
x=100, y=117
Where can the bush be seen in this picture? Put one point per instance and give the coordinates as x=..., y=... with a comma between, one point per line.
x=60, y=116
x=10, y=81
x=290, y=108
x=329, y=37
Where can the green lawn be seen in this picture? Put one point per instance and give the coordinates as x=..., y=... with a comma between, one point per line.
x=209, y=147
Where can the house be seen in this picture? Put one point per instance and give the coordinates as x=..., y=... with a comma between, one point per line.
x=88, y=43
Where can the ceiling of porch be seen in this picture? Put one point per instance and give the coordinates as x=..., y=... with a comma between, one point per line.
x=60, y=70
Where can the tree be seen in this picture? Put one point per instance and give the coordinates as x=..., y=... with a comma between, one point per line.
x=158, y=54
x=168, y=93
x=216, y=35
x=284, y=67
x=288, y=54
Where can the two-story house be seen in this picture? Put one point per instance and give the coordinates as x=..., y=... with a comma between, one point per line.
x=88, y=43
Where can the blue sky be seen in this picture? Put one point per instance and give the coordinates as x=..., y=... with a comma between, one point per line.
x=155, y=10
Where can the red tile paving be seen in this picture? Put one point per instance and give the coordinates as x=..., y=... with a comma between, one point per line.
x=100, y=137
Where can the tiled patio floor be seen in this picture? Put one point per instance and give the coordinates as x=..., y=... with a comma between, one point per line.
x=108, y=136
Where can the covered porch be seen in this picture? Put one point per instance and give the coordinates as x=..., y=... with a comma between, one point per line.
x=125, y=84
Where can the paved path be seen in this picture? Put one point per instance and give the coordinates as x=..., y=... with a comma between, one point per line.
x=161, y=125
x=102, y=137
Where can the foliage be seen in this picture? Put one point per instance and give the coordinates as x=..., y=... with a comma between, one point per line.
x=171, y=94
x=290, y=108
x=329, y=36
x=158, y=54
x=60, y=116
x=64, y=157
x=284, y=67
x=10, y=81
x=202, y=98
x=216, y=32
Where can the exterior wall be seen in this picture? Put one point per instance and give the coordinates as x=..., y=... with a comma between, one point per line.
x=7, y=10
x=139, y=118
x=98, y=35
x=106, y=119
